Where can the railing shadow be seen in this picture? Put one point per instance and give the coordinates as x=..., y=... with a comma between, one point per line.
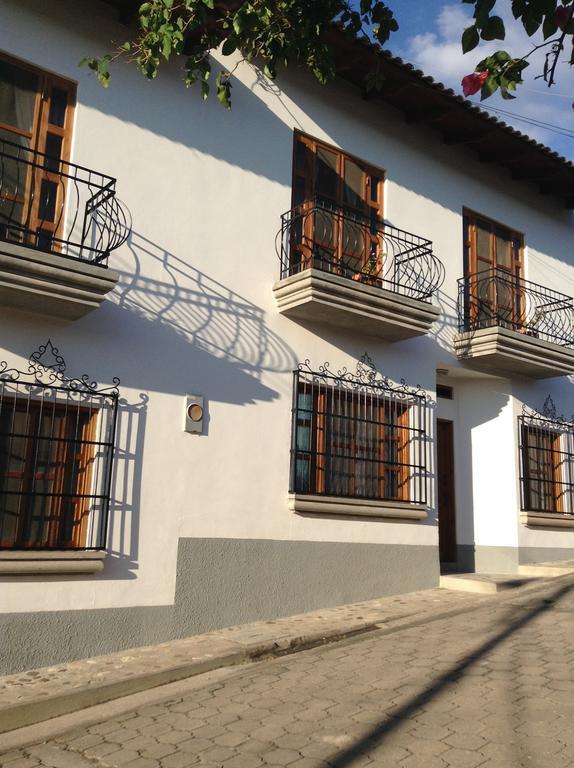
x=125, y=498
x=220, y=338
x=377, y=734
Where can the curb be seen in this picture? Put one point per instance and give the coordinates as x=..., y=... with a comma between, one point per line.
x=31, y=713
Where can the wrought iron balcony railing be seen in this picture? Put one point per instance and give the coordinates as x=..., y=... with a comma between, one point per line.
x=496, y=297
x=335, y=240
x=55, y=206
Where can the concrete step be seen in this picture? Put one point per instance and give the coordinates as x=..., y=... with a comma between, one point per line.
x=560, y=568
x=486, y=583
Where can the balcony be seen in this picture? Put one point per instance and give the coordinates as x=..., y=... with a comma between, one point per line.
x=59, y=223
x=349, y=271
x=509, y=325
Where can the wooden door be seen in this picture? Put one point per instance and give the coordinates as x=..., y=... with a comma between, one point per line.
x=445, y=491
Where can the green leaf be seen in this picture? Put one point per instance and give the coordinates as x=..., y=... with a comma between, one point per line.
x=470, y=39
x=494, y=29
x=490, y=86
x=223, y=89
x=229, y=46
x=270, y=71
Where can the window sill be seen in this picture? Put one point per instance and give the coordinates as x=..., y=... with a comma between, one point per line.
x=334, y=505
x=547, y=519
x=38, y=562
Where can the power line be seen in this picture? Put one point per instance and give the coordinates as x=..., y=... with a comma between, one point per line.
x=550, y=127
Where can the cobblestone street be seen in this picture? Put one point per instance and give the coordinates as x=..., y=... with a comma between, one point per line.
x=493, y=687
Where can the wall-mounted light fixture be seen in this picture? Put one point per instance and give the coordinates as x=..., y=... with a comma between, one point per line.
x=194, y=414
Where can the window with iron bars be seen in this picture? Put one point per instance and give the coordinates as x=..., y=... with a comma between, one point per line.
x=56, y=451
x=546, y=461
x=358, y=436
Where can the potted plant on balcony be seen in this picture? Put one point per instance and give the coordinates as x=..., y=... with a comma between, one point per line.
x=371, y=271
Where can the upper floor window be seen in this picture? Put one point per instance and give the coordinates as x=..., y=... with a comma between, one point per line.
x=36, y=117
x=489, y=245
x=335, y=179
x=357, y=438
x=493, y=264
x=337, y=202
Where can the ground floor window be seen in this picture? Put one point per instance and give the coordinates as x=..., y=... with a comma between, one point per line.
x=357, y=436
x=56, y=451
x=546, y=461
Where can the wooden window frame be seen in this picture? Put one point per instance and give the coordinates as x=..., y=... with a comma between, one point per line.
x=472, y=268
x=552, y=466
x=38, y=136
x=67, y=454
x=305, y=178
x=319, y=417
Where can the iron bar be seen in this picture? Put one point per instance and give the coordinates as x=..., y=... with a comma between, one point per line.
x=315, y=235
x=497, y=298
x=55, y=206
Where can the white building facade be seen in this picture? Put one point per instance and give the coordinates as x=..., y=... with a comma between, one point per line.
x=258, y=436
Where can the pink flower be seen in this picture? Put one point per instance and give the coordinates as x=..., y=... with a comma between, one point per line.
x=562, y=16
x=472, y=84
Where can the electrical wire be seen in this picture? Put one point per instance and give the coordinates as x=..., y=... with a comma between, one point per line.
x=550, y=127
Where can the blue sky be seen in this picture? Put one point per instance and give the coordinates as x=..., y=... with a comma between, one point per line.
x=429, y=37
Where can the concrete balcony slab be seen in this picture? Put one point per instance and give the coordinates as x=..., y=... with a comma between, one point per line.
x=50, y=284
x=501, y=350
x=321, y=297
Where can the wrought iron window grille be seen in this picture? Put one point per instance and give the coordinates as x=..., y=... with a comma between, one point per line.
x=358, y=435
x=496, y=297
x=55, y=206
x=57, y=438
x=546, y=450
x=322, y=236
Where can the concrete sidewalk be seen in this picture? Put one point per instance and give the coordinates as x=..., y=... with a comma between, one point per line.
x=34, y=696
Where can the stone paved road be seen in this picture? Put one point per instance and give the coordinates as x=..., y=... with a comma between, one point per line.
x=491, y=688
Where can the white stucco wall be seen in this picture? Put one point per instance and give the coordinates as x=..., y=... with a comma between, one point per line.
x=194, y=311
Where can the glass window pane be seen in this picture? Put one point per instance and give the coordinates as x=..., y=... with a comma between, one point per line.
x=504, y=247
x=47, y=202
x=374, y=185
x=58, y=105
x=325, y=228
x=326, y=177
x=18, y=88
x=353, y=186
x=301, y=154
x=354, y=244
x=53, y=149
x=483, y=241
x=14, y=171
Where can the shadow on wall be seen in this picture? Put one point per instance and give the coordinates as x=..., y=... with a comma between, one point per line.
x=261, y=142
x=201, y=334
x=123, y=521
x=446, y=327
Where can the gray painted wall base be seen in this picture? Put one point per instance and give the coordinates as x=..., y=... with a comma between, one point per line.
x=222, y=582
x=529, y=555
x=506, y=559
